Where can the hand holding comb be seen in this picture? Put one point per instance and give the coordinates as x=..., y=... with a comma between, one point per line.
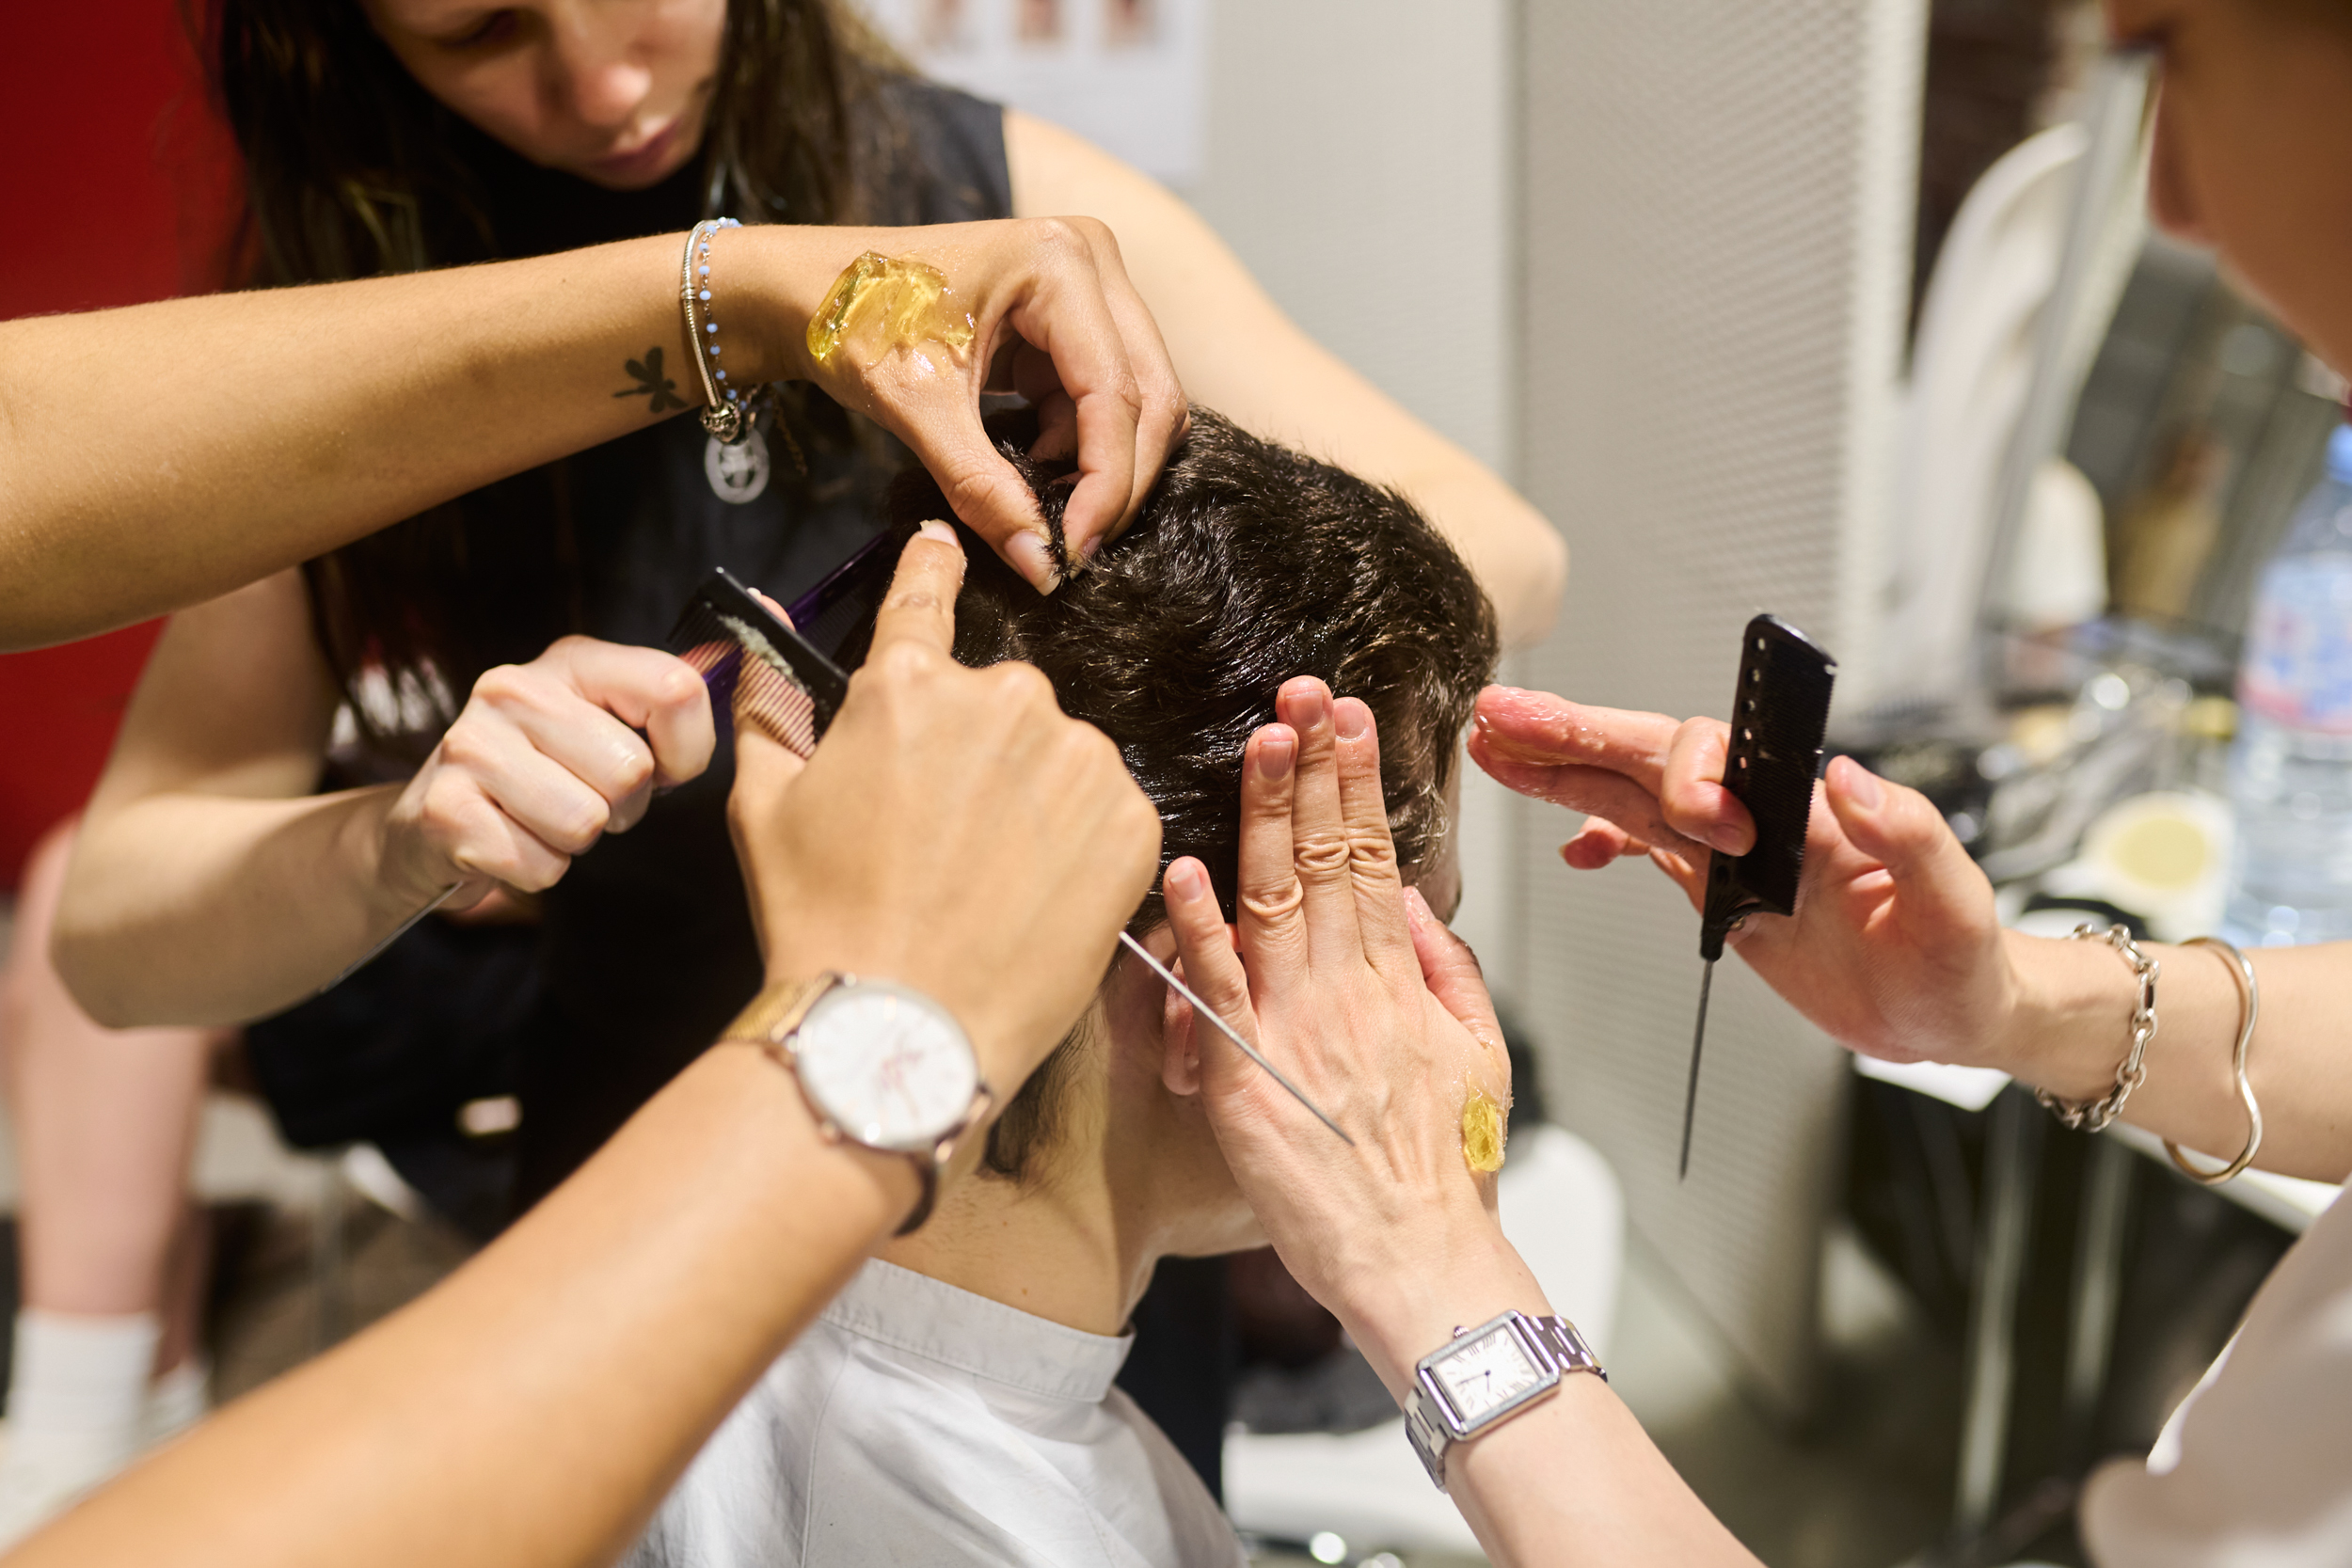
x=1778, y=719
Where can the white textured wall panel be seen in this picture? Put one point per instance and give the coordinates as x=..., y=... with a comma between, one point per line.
x=1717, y=207
x=1360, y=161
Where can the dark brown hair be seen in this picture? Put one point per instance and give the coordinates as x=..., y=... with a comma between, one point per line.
x=1249, y=564
x=351, y=170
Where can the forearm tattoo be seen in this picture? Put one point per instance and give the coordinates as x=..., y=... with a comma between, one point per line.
x=652, y=382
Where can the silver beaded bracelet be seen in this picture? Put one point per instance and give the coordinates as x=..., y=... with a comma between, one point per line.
x=730, y=409
x=2092, y=1116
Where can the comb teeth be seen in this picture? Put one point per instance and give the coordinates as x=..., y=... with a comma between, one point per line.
x=743, y=684
x=755, y=666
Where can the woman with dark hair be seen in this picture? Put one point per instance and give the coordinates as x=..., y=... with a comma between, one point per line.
x=489, y=650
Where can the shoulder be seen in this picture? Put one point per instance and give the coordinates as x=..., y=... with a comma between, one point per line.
x=941, y=153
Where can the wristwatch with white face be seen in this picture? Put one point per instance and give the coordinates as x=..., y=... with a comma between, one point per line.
x=881, y=1064
x=1485, y=1376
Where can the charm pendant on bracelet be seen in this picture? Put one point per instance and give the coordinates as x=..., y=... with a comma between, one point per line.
x=737, y=473
x=736, y=460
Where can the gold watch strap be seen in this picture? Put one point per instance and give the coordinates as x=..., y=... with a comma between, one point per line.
x=769, y=1021
x=777, y=1011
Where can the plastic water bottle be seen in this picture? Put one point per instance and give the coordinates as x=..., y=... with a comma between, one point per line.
x=2291, y=770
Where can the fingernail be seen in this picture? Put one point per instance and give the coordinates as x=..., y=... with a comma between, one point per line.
x=1093, y=542
x=1184, y=880
x=1352, y=719
x=1725, y=837
x=1276, y=753
x=1417, y=909
x=1307, y=708
x=942, y=533
x=1857, y=783
x=1034, y=561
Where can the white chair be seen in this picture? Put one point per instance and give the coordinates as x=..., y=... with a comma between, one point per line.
x=1972, y=360
x=1563, y=1209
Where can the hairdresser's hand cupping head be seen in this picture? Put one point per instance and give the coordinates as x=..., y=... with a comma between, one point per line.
x=954, y=832
x=1357, y=992
x=1050, y=315
x=546, y=759
x=1895, y=948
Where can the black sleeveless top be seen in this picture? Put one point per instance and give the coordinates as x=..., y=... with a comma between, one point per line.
x=646, y=949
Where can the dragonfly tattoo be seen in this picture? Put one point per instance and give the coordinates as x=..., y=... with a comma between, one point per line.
x=651, y=382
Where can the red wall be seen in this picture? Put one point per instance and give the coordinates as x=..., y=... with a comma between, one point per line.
x=116, y=187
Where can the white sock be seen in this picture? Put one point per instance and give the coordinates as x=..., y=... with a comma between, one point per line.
x=177, y=1400
x=78, y=1389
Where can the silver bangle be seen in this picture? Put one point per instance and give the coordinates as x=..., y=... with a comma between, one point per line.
x=2250, y=1006
x=2092, y=1116
x=730, y=411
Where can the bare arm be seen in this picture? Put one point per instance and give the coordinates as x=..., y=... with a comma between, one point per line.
x=208, y=884
x=532, y=1410
x=1351, y=982
x=1238, y=354
x=1896, y=950
x=209, y=887
x=270, y=427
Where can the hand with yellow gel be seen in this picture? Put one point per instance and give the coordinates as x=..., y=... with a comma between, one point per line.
x=891, y=302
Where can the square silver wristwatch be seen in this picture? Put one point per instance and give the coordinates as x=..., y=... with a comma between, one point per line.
x=881, y=1064
x=1485, y=1376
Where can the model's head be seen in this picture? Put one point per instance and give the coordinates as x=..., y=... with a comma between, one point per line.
x=2253, y=148
x=1248, y=564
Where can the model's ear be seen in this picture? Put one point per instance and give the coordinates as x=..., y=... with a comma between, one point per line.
x=1180, y=1054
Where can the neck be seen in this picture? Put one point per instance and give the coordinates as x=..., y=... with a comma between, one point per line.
x=1075, y=1241
x=1074, y=1244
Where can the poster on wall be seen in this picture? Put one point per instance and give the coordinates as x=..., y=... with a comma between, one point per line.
x=1129, y=75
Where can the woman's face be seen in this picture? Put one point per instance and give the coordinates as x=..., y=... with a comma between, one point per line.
x=2253, y=147
x=615, y=91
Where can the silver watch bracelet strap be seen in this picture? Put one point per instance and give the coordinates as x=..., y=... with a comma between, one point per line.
x=1567, y=1349
x=1559, y=1343
x=1429, y=1436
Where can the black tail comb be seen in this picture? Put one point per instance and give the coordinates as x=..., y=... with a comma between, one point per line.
x=741, y=646
x=1778, y=719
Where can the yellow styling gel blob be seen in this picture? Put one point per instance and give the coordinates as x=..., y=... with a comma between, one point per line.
x=1482, y=1131
x=891, y=301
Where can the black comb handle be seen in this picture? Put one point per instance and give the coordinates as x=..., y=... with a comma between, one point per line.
x=1778, y=719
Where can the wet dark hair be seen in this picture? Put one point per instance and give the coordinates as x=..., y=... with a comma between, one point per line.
x=1249, y=564
x=351, y=170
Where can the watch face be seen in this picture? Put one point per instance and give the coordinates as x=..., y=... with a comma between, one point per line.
x=887, y=1065
x=1488, y=1373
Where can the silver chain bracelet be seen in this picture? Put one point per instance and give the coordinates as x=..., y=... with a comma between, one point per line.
x=2092, y=1116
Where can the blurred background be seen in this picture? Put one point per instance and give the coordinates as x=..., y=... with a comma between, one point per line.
x=1842, y=309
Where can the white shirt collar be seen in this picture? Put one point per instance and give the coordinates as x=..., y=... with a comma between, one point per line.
x=921, y=1316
